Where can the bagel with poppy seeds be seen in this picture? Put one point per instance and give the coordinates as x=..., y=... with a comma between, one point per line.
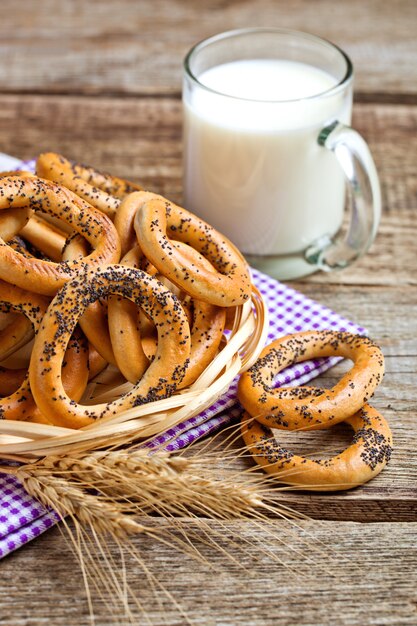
x=47, y=238
x=301, y=408
x=161, y=378
x=226, y=283
x=99, y=189
x=364, y=459
x=46, y=277
x=20, y=405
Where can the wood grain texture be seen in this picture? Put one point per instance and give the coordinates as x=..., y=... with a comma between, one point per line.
x=314, y=574
x=134, y=47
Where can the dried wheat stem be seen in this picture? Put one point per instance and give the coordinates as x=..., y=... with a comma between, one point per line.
x=99, y=464
x=67, y=499
x=134, y=482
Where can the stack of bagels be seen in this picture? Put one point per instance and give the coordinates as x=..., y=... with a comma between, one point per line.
x=312, y=408
x=101, y=271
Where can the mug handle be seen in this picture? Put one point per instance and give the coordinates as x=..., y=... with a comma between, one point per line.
x=356, y=161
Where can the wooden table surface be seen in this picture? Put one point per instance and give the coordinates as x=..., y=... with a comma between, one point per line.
x=100, y=82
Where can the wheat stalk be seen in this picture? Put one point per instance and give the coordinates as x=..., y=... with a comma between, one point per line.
x=134, y=482
x=68, y=499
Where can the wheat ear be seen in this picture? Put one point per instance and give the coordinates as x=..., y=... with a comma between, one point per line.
x=138, y=483
x=68, y=499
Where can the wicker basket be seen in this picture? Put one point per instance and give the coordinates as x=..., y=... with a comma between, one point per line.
x=22, y=441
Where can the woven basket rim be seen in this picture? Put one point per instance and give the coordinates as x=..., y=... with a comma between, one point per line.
x=24, y=441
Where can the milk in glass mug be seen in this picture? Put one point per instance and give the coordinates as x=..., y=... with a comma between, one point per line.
x=269, y=156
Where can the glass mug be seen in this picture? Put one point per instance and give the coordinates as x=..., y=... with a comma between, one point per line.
x=269, y=153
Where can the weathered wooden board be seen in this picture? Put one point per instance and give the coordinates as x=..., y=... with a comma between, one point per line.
x=137, y=47
x=314, y=573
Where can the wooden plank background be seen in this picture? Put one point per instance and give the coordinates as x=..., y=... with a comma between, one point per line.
x=128, y=47
x=313, y=574
x=100, y=82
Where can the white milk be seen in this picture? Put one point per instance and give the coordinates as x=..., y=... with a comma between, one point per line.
x=252, y=165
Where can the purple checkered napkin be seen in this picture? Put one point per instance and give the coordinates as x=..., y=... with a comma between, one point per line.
x=22, y=518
